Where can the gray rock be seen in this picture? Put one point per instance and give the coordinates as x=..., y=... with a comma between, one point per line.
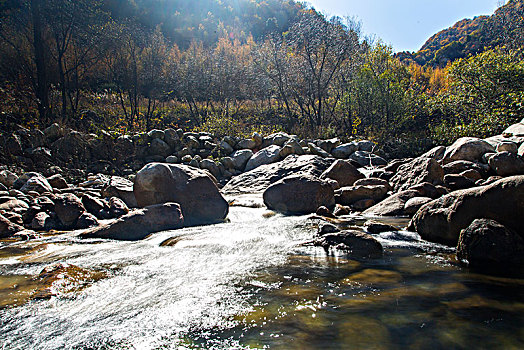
x=277, y=139
x=86, y=220
x=121, y=188
x=57, y=181
x=345, y=150
x=367, y=159
x=159, y=148
x=436, y=153
x=246, y=144
x=268, y=155
x=7, y=228
x=515, y=129
x=343, y=172
x=418, y=171
x=171, y=138
x=228, y=162
x=211, y=166
x=172, y=159
x=507, y=146
x=117, y=207
x=257, y=180
x=43, y=222
x=317, y=151
x=366, y=146
x=328, y=145
x=299, y=194
x=140, y=223
x=156, y=134
x=259, y=139
x=37, y=183
x=352, y=194
x=457, y=182
x=226, y=148
x=460, y=166
x=376, y=228
x=241, y=159
x=467, y=148
x=53, y=133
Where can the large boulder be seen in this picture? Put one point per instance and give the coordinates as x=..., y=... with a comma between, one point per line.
x=506, y=164
x=240, y=158
x=343, y=172
x=7, y=178
x=352, y=194
x=417, y=171
x=515, y=129
x=257, y=180
x=37, y=183
x=367, y=159
x=442, y=219
x=345, y=150
x=121, y=188
x=68, y=208
x=7, y=228
x=159, y=147
x=139, y=223
x=192, y=188
x=74, y=148
x=467, y=148
x=300, y=194
x=488, y=243
x=268, y=155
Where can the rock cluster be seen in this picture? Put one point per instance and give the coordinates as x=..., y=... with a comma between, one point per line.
x=445, y=191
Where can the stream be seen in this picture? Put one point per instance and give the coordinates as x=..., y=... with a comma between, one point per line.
x=250, y=284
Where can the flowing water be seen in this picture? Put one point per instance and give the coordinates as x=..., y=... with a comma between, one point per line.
x=249, y=283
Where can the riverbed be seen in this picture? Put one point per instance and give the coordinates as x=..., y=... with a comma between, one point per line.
x=250, y=283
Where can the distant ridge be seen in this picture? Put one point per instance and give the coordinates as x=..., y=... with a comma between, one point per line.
x=472, y=36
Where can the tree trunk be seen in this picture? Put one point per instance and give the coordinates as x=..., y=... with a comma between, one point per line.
x=42, y=88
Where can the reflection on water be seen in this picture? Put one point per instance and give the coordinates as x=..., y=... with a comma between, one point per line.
x=249, y=284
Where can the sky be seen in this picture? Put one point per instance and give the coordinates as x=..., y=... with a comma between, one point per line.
x=405, y=24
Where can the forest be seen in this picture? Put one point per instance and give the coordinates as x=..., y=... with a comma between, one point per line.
x=239, y=66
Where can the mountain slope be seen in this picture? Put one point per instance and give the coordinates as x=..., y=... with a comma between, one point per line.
x=472, y=36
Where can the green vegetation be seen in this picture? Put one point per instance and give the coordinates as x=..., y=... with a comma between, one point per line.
x=234, y=67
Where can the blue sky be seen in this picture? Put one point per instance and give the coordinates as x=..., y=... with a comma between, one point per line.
x=406, y=24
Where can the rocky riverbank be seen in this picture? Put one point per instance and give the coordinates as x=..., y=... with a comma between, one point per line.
x=469, y=194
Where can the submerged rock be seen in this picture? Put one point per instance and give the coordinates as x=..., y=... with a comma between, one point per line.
x=139, y=223
x=192, y=188
x=356, y=243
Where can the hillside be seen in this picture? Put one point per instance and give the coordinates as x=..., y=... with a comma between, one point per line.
x=472, y=36
x=206, y=20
